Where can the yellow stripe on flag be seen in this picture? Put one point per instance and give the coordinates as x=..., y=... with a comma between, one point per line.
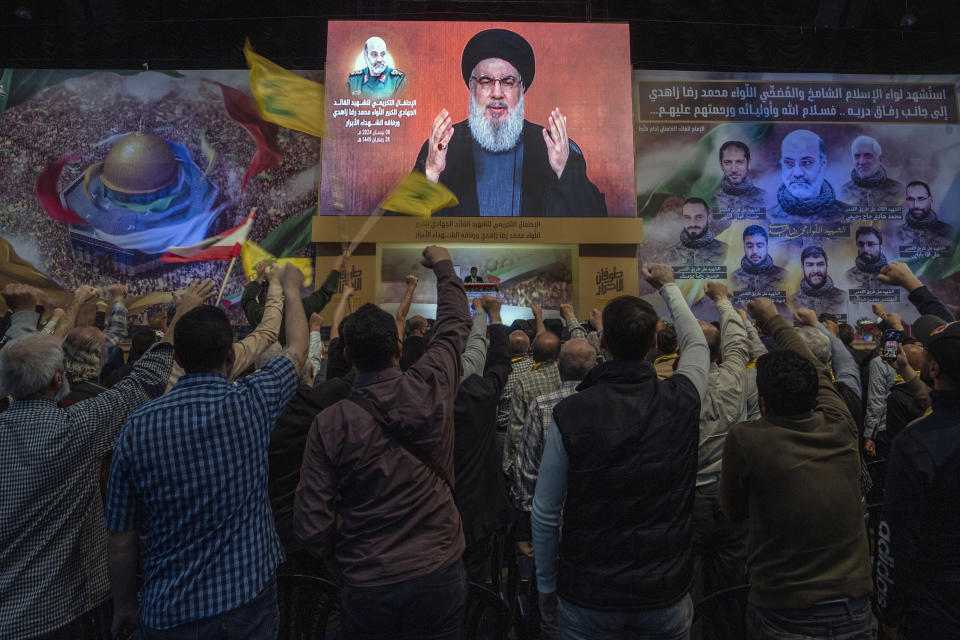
x=251, y=254
x=283, y=97
x=417, y=196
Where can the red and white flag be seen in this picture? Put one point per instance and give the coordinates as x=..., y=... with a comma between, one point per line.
x=220, y=247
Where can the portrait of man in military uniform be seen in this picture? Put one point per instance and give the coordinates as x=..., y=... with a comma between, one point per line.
x=869, y=184
x=377, y=79
x=737, y=193
x=698, y=243
x=817, y=290
x=870, y=260
x=805, y=196
x=757, y=271
x=921, y=227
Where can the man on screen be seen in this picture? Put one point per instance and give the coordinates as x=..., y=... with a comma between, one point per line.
x=817, y=290
x=377, y=79
x=869, y=184
x=737, y=193
x=473, y=278
x=496, y=162
x=805, y=195
x=698, y=244
x=920, y=227
x=757, y=271
x=870, y=260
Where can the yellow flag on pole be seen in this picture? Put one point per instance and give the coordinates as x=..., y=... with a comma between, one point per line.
x=283, y=97
x=251, y=254
x=417, y=196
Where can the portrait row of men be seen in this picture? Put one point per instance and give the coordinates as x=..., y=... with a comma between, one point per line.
x=806, y=196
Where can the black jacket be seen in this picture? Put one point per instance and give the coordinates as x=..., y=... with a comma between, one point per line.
x=543, y=194
x=918, y=558
x=631, y=444
x=287, y=442
x=481, y=494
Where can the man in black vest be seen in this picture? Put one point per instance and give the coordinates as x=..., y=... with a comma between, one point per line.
x=620, y=463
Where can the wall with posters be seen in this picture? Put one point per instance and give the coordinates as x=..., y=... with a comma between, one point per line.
x=821, y=181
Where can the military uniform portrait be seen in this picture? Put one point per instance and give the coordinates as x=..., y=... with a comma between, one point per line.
x=869, y=261
x=377, y=79
x=757, y=271
x=737, y=192
x=920, y=227
x=869, y=184
x=698, y=244
x=805, y=195
x=817, y=290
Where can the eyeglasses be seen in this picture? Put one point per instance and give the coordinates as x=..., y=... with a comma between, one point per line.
x=508, y=82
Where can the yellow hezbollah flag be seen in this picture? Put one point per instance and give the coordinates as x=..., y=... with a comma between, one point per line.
x=251, y=254
x=283, y=97
x=417, y=196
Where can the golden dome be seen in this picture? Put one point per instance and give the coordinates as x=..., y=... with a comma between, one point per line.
x=139, y=163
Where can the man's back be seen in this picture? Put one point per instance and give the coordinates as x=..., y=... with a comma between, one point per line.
x=190, y=473
x=395, y=518
x=632, y=447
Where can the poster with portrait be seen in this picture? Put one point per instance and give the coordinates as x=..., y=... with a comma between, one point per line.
x=517, y=119
x=798, y=188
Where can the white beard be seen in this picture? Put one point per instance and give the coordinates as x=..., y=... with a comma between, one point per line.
x=498, y=136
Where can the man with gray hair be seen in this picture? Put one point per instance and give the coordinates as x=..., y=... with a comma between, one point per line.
x=576, y=359
x=869, y=185
x=53, y=543
x=376, y=79
x=805, y=195
x=497, y=163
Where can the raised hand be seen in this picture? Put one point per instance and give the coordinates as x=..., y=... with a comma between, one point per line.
x=195, y=295
x=657, y=275
x=897, y=274
x=596, y=319
x=716, y=291
x=806, y=317
x=412, y=281
x=762, y=309
x=567, y=312
x=117, y=292
x=558, y=144
x=434, y=254
x=316, y=322
x=291, y=277
x=83, y=293
x=440, y=134
x=21, y=297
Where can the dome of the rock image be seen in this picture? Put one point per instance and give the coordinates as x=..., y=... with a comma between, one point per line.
x=139, y=163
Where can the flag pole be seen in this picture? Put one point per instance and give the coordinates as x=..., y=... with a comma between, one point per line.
x=226, y=276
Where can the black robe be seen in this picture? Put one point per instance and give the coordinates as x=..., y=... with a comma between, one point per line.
x=543, y=194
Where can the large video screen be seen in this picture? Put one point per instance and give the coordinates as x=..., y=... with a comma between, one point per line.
x=799, y=188
x=517, y=119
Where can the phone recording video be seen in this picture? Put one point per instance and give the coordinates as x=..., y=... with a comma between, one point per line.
x=891, y=344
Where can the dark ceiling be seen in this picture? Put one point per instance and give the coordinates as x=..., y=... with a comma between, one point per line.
x=856, y=36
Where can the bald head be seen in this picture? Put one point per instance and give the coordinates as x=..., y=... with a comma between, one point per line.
x=417, y=326
x=577, y=357
x=519, y=343
x=803, y=163
x=546, y=347
x=375, y=54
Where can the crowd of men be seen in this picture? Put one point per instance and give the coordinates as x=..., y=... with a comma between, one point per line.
x=642, y=463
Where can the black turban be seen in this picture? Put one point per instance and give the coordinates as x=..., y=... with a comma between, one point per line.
x=503, y=44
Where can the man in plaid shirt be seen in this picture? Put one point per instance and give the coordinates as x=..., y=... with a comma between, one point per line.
x=189, y=477
x=53, y=547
